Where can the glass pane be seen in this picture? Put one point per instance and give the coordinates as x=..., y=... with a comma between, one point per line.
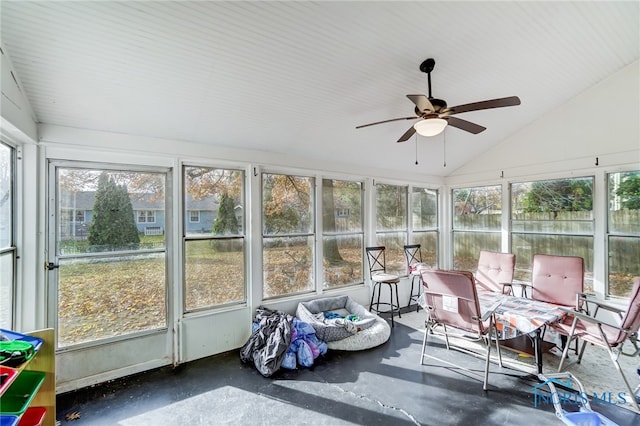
x=6, y=290
x=342, y=260
x=100, y=298
x=7, y=259
x=624, y=203
x=391, y=207
x=396, y=261
x=214, y=201
x=214, y=207
x=343, y=235
x=424, y=209
x=624, y=253
x=467, y=246
x=288, y=265
x=479, y=209
x=287, y=204
x=554, y=206
x=214, y=272
x=102, y=211
x=428, y=247
x=6, y=196
x=342, y=206
x=524, y=246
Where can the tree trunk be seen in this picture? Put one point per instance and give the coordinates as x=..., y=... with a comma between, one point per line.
x=330, y=244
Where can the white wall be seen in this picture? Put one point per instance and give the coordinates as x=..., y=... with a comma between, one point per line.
x=602, y=122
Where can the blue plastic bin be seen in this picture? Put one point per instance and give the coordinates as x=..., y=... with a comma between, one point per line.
x=12, y=335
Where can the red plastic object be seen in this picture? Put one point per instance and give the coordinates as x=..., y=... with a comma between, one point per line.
x=33, y=416
x=7, y=374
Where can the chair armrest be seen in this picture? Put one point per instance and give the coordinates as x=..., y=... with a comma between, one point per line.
x=608, y=307
x=510, y=286
x=491, y=310
x=588, y=299
x=587, y=318
x=524, y=287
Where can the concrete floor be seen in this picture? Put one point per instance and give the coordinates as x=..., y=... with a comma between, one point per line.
x=385, y=386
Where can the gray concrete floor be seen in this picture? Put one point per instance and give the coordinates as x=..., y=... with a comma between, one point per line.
x=381, y=386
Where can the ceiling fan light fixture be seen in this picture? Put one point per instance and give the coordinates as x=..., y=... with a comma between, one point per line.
x=430, y=126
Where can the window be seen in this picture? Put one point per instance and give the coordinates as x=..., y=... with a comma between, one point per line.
x=424, y=221
x=477, y=224
x=343, y=234
x=7, y=245
x=146, y=216
x=288, y=234
x=214, y=245
x=623, y=232
x=391, y=225
x=552, y=217
x=112, y=281
x=71, y=215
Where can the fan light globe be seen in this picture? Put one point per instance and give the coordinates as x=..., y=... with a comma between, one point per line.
x=430, y=126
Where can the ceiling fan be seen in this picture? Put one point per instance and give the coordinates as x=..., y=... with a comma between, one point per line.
x=436, y=115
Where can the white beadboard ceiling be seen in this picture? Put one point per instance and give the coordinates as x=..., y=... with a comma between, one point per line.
x=297, y=77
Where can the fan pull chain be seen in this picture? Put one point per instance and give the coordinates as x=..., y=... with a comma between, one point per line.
x=444, y=148
x=416, y=139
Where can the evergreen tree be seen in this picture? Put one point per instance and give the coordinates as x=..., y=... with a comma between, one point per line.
x=226, y=222
x=113, y=225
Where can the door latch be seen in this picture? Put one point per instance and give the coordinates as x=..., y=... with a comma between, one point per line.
x=48, y=266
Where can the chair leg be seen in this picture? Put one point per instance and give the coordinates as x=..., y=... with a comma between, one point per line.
x=373, y=293
x=411, y=292
x=446, y=335
x=492, y=325
x=424, y=343
x=632, y=395
x=397, y=300
x=414, y=296
x=584, y=346
x=486, y=364
x=390, y=302
x=565, y=351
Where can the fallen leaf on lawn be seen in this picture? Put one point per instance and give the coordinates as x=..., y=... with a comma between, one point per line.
x=72, y=416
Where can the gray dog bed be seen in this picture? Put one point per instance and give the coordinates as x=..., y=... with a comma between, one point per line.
x=340, y=327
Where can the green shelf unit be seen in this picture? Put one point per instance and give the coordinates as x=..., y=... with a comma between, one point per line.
x=18, y=396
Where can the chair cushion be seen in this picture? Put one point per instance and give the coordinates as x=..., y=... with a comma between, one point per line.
x=383, y=277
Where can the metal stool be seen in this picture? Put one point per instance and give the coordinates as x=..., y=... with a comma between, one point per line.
x=379, y=276
x=414, y=259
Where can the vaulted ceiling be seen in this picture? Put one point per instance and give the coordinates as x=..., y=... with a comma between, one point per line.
x=297, y=77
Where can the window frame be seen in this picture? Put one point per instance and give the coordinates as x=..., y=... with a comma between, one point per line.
x=313, y=282
x=435, y=229
x=524, y=274
x=187, y=237
x=146, y=214
x=10, y=251
x=472, y=266
x=395, y=257
x=191, y=216
x=609, y=234
x=339, y=214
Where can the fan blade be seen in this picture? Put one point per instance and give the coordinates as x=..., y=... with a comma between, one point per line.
x=386, y=121
x=422, y=102
x=465, y=125
x=407, y=134
x=493, y=103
